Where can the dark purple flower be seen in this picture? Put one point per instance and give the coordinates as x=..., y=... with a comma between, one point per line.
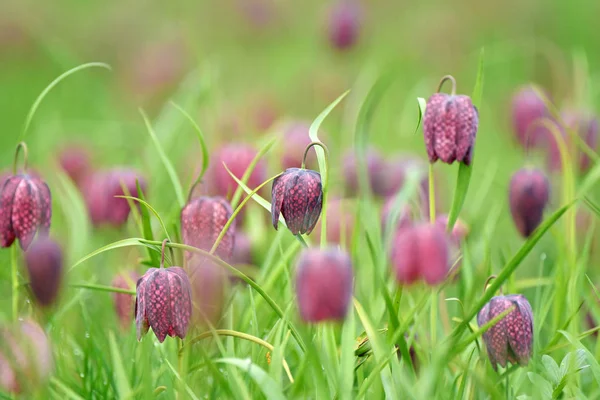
x=528, y=195
x=44, y=261
x=237, y=158
x=124, y=303
x=25, y=209
x=527, y=108
x=511, y=338
x=376, y=170
x=297, y=195
x=450, y=126
x=202, y=221
x=344, y=24
x=420, y=251
x=323, y=284
x=163, y=302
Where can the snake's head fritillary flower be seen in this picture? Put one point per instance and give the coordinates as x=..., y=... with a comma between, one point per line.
x=324, y=284
x=511, y=338
x=528, y=108
x=528, y=195
x=237, y=158
x=25, y=209
x=450, y=126
x=297, y=195
x=75, y=161
x=203, y=219
x=163, y=302
x=44, y=261
x=376, y=170
x=124, y=302
x=344, y=24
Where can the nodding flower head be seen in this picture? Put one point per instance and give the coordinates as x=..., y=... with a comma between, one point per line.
x=25, y=209
x=44, y=261
x=528, y=195
x=323, y=284
x=124, y=302
x=344, y=24
x=528, y=109
x=450, y=126
x=202, y=221
x=297, y=195
x=163, y=302
x=237, y=158
x=511, y=338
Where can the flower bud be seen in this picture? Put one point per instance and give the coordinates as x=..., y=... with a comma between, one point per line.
x=511, y=338
x=25, y=357
x=163, y=302
x=25, y=209
x=376, y=167
x=297, y=195
x=450, y=126
x=528, y=195
x=124, y=302
x=44, y=261
x=420, y=251
x=202, y=221
x=344, y=24
x=323, y=284
x=527, y=108
x=237, y=158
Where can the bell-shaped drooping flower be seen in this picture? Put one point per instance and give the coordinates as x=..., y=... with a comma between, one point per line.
x=528, y=110
x=237, y=158
x=75, y=161
x=203, y=219
x=25, y=209
x=450, y=126
x=511, y=338
x=25, y=357
x=420, y=251
x=44, y=261
x=376, y=169
x=528, y=195
x=344, y=24
x=323, y=284
x=298, y=196
x=124, y=302
x=163, y=302
x=585, y=126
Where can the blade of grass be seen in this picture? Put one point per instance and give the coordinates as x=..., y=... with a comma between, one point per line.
x=123, y=387
x=260, y=377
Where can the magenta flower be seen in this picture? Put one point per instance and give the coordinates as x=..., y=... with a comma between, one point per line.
x=25, y=209
x=203, y=219
x=450, y=126
x=323, y=284
x=528, y=195
x=344, y=24
x=44, y=261
x=237, y=158
x=376, y=172
x=297, y=195
x=511, y=338
x=163, y=302
x=528, y=108
x=123, y=302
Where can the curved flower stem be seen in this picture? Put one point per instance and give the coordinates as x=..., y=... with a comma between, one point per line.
x=162, y=253
x=20, y=146
x=311, y=144
x=15, y=282
x=431, y=195
x=447, y=78
x=487, y=282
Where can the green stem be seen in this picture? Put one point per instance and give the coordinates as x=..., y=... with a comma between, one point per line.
x=431, y=195
x=433, y=317
x=102, y=288
x=15, y=282
x=20, y=146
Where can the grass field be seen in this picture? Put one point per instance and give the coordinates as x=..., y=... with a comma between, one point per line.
x=161, y=89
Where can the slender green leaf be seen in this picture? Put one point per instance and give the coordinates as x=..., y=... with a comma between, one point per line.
x=123, y=387
x=422, y=106
x=266, y=384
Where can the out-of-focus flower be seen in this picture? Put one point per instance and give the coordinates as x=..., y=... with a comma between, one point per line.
x=124, y=302
x=449, y=127
x=345, y=21
x=404, y=218
x=528, y=107
x=163, y=302
x=209, y=288
x=340, y=222
x=459, y=231
x=528, y=195
x=237, y=158
x=297, y=195
x=25, y=209
x=75, y=161
x=202, y=221
x=242, y=251
x=420, y=251
x=577, y=123
x=511, y=338
x=44, y=261
x=295, y=140
x=26, y=357
x=99, y=191
x=376, y=170
x=323, y=284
